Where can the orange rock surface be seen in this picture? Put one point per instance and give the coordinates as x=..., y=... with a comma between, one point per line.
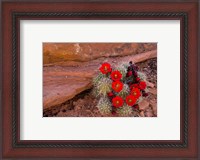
x=57, y=52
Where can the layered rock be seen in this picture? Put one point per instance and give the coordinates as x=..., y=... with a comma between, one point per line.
x=81, y=52
x=58, y=89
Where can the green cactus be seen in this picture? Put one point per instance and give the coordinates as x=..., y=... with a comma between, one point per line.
x=98, y=78
x=104, y=86
x=124, y=92
x=125, y=111
x=104, y=106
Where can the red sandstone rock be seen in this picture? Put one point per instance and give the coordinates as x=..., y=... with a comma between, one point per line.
x=153, y=90
x=143, y=105
x=56, y=52
x=57, y=90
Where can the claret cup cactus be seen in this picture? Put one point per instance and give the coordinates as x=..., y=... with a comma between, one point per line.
x=120, y=89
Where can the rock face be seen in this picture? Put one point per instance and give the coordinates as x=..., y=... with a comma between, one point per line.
x=65, y=88
x=143, y=105
x=81, y=52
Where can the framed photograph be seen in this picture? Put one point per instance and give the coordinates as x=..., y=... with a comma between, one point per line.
x=100, y=79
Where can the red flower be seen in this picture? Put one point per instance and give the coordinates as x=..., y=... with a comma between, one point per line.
x=142, y=85
x=117, y=102
x=117, y=86
x=135, y=92
x=110, y=94
x=134, y=86
x=137, y=79
x=130, y=100
x=105, y=68
x=129, y=73
x=116, y=75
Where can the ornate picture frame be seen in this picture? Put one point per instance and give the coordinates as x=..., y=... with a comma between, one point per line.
x=13, y=12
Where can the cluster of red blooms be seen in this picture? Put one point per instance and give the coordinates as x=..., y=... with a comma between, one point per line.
x=136, y=85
